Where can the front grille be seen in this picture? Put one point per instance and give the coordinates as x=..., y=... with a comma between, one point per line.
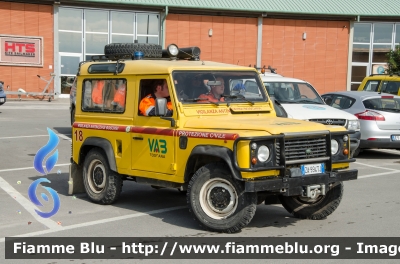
x=329, y=121
x=302, y=149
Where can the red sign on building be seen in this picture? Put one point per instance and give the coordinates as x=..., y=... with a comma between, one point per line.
x=19, y=50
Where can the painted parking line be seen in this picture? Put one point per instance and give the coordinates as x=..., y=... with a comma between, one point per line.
x=27, y=205
x=107, y=220
x=30, y=168
x=32, y=136
x=376, y=167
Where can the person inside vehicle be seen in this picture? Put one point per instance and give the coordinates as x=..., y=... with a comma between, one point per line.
x=215, y=94
x=160, y=90
x=119, y=95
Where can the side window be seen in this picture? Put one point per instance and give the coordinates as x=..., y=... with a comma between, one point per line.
x=371, y=86
x=327, y=99
x=342, y=102
x=391, y=87
x=104, y=95
x=149, y=90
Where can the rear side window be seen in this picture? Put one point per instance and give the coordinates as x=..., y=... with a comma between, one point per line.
x=383, y=104
x=342, y=102
x=372, y=86
x=104, y=95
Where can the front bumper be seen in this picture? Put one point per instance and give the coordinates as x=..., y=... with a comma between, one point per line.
x=294, y=186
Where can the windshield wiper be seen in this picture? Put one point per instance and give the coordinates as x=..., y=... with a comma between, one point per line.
x=238, y=97
x=200, y=99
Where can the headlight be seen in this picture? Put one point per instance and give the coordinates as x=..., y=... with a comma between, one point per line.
x=353, y=125
x=263, y=153
x=334, y=146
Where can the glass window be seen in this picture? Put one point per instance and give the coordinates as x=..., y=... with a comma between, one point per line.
x=354, y=86
x=122, y=39
x=358, y=73
x=383, y=104
x=69, y=65
x=151, y=40
x=383, y=33
x=122, y=22
x=360, y=53
x=372, y=86
x=70, y=42
x=104, y=95
x=397, y=39
x=379, y=53
x=96, y=21
x=342, y=102
x=95, y=43
x=66, y=84
x=147, y=24
x=362, y=33
x=70, y=19
x=391, y=87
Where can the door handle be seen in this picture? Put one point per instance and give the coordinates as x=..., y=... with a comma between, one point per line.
x=138, y=138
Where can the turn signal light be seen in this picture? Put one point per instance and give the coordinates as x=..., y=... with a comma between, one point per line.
x=346, y=151
x=254, y=160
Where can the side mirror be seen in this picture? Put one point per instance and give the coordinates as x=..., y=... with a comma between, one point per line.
x=161, y=106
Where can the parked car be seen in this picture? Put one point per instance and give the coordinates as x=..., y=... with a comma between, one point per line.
x=379, y=115
x=3, y=97
x=381, y=83
x=301, y=101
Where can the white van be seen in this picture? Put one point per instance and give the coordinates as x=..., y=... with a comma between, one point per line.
x=301, y=101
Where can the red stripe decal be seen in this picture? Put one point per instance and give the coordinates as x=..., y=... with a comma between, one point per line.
x=158, y=131
x=152, y=130
x=100, y=127
x=211, y=135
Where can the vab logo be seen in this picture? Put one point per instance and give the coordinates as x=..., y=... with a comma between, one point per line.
x=38, y=165
x=158, y=147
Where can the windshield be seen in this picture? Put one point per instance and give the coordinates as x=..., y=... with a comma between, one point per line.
x=383, y=104
x=292, y=92
x=193, y=87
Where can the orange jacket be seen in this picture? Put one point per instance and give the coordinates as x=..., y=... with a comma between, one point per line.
x=97, y=92
x=119, y=96
x=147, y=105
x=210, y=97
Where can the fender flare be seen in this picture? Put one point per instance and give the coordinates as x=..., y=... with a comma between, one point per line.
x=224, y=153
x=106, y=146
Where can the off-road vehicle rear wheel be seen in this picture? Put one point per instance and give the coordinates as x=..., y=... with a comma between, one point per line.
x=217, y=201
x=315, y=209
x=102, y=185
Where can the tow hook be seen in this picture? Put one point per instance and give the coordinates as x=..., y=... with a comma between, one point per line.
x=313, y=191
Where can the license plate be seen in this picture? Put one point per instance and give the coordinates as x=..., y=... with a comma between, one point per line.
x=1, y=100
x=395, y=138
x=312, y=169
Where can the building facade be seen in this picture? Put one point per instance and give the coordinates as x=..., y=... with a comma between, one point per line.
x=324, y=45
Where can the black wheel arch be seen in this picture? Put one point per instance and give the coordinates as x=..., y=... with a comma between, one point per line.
x=223, y=153
x=101, y=143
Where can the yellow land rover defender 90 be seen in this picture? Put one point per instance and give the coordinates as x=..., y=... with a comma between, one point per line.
x=211, y=137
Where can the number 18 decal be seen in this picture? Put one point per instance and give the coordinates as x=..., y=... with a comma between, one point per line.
x=78, y=135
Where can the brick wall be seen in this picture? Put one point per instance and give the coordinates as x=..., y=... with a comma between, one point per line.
x=234, y=40
x=320, y=59
x=28, y=20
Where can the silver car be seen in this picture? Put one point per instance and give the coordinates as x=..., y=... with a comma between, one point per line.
x=379, y=115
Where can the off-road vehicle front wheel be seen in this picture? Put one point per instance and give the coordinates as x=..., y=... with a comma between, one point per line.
x=317, y=208
x=217, y=201
x=102, y=185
